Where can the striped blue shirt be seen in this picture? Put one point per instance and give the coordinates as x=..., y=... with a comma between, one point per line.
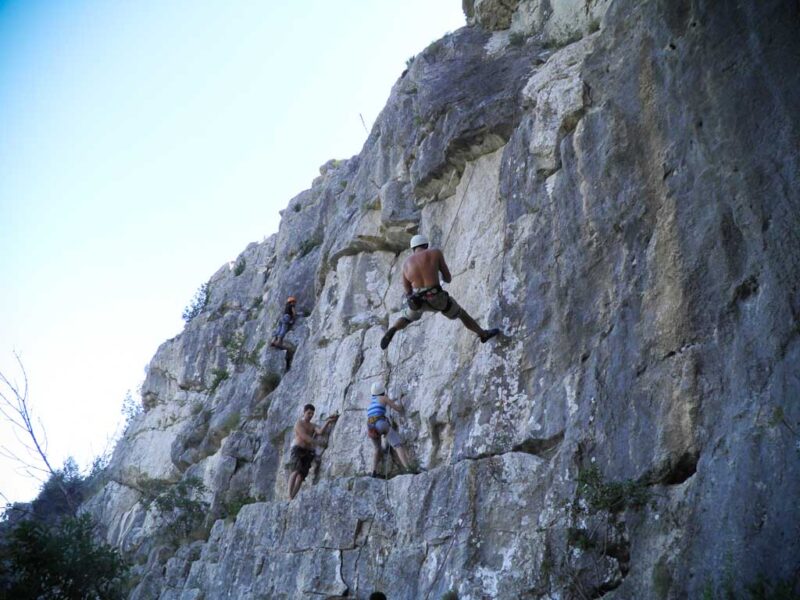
x=376, y=409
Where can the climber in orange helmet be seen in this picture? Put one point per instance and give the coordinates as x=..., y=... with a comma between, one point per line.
x=285, y=324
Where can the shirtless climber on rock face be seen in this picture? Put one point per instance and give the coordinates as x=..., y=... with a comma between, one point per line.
x=302, y=453
x=423, y=292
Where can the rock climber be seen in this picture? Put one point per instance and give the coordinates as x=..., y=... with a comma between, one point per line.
x=424, y=292
x=285, y=324
x=302, y=453
x=378, y=425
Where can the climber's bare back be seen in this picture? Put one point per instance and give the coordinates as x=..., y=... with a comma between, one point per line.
x=422, y=269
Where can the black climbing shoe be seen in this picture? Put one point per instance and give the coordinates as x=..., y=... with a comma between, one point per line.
x=377, y=475
x=489, y=335
x=387, y=338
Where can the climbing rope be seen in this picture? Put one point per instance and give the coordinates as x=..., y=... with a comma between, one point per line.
x=360, y=548
x=456, y=531
x=458, y=210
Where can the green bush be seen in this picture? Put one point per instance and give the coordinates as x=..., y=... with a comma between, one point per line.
x=239, y=267
x=580, y=538
x=63, y=561
x=231, y=422
x=218, y=376
x=252, y=356
x=198, y=303
x=234, y=346
x=612, y=496
x=516, y=39
x=268, y=382
x=232, y=507
x=179, y=504
x=307, y=246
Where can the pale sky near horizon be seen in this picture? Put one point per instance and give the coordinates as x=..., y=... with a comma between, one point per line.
x=143, y=145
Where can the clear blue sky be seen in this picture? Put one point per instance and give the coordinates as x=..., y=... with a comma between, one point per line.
x=145, y=143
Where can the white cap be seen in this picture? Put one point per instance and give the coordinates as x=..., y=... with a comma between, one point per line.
x=419, y=240
x=378, y=389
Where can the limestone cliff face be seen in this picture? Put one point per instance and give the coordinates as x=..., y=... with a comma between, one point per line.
x=615, y=184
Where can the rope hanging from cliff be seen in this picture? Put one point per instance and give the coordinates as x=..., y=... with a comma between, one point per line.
x=456, y=531
x=458, y=210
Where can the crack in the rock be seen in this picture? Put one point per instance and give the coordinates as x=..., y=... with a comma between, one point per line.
x=360, y=548
x=359, y=362
x=681, y=350
x=540, y=447
x=389, y=284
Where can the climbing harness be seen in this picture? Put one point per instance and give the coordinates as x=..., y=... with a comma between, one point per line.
x=415, y=300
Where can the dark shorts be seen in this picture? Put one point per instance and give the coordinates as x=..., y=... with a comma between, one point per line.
x=300, y=460
x=432, y=301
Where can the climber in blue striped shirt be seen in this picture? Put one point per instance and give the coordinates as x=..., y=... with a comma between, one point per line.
x=378, y=425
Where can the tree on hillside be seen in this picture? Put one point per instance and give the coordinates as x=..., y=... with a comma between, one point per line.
x=63, y=561
x=47, y=549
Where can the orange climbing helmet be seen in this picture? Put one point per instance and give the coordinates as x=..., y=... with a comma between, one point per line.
x=291, y=299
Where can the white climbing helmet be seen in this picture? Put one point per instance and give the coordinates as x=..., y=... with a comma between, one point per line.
x=378, y=389
x=419, y=240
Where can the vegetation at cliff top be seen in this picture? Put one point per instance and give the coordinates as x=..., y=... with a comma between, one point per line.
x=198, y=303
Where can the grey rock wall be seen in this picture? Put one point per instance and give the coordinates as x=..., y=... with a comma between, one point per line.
x=620, y=196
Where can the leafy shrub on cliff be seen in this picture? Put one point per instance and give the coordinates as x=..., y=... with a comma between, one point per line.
x=180, y=506
x=234, y=347
x=232, y=506
x=613, y=496
x=307, y=246
x=219, y=375
x=517, y=39
x=267, y=382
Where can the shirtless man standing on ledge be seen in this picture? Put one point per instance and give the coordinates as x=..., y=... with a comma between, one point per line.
x=423, y=292
x=302, y=452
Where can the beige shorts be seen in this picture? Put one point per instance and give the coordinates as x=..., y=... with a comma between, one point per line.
x=382, y=427
x=439, y=301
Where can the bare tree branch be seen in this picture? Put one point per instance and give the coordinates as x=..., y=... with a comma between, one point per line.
x=15, y=409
